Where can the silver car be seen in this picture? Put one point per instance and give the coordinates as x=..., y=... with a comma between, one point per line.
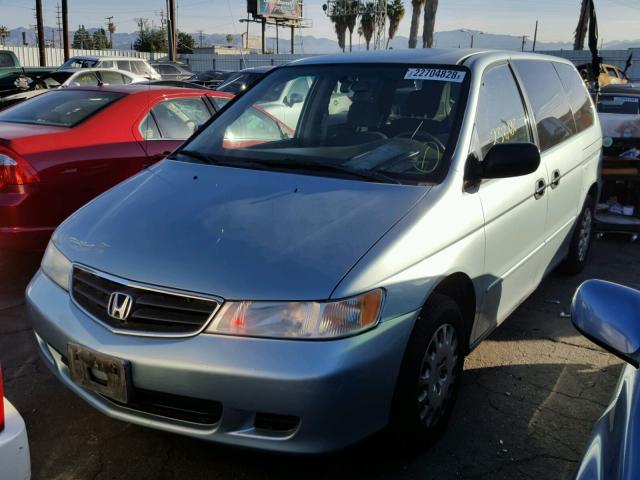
x=298, y=288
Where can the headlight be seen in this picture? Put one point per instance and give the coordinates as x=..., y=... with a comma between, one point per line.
x=56, y=266
x=300, y=320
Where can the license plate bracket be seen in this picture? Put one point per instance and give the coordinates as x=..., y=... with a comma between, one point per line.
x=103, y=374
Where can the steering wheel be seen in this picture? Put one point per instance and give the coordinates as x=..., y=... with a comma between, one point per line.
x=431, y=144
x=423, y=136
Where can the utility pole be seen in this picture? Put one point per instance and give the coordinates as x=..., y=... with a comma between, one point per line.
x=200, y=36
x=40, y=27
x=524, y=42
x=535, y=37
x=59, y=24
x=293, y=38
x=110, y=30
x=264, y=30
x=277, y=39
x=172, y=29
x=65, y=29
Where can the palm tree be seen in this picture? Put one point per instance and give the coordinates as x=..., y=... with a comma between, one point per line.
x=581, y=29
x=430, y=9
x=4, y=33
x=415, y=22
x=351, y=19
x=367, y=22
x=395, y=13
x=338, y=17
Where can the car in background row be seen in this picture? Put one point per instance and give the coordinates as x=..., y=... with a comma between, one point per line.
x=242, y=80
x=619, y=112
x=15, y=461
x=61, y=149
x=139, y=66
x=210, y=78
x=609, y=315
x=609, y=75
x=172, y=70
x=72, y=78
x=303, y=292
x=12, y=72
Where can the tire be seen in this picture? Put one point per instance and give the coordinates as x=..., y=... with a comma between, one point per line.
x=417, y=418
x=581, y=239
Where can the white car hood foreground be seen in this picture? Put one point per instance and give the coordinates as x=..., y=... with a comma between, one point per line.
x=234, y=232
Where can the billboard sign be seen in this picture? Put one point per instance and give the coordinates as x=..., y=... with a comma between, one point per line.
x=285, y=9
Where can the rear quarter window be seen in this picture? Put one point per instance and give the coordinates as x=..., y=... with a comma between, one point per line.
x=551, y=109
x=578, y=96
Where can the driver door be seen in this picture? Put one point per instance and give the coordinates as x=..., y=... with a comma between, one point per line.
x=514, y=215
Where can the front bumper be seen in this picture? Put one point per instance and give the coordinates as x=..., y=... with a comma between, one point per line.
x=341, y=390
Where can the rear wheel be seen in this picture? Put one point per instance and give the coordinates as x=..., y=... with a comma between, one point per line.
x=581, y=240
x=430, y=375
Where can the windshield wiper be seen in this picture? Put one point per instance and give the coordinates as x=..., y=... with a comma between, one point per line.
x=193, y=154
x=295, y=164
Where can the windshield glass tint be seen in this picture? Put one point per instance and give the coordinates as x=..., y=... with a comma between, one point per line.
x=78, y=63
x=64, y=108
x=389, y=120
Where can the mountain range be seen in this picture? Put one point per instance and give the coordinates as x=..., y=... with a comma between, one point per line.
x=311, y=44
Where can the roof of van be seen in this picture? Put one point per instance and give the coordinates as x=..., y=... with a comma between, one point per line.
x=444, y=56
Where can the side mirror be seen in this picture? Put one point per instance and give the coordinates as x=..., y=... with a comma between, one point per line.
x=607, y=314
x=506, y=160
x=292, y=99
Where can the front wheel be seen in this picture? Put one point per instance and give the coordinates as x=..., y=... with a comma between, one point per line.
x=430, y=374
x=581, y=240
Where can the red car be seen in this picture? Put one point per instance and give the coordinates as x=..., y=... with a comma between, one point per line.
x=61, y=149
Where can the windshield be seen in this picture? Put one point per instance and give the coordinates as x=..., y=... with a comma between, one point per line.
x=392, y=122
x=240, y=82
x=78, y=63
x=63, y=108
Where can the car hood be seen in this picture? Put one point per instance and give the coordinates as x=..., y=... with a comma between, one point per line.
x=233, y=232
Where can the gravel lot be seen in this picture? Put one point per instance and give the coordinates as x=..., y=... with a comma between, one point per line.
x=530, y=396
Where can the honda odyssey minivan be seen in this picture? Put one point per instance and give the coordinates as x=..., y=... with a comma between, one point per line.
x=302, y=292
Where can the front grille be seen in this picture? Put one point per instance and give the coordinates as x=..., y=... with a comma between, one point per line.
x=151, y=312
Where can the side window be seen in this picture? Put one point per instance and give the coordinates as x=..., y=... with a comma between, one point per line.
x=124, y=65
x=111, y=77
x=611, y=72
x=126, y=79
x=300, y=87
x=149, y=129
x=139, y=67
x=6, y=60
x=180, y=117
x=106, y=64
x=578, y=96
x=501, y=116
x=219, y=102
x=551, y=109
x=87, y=78
x=253, y=126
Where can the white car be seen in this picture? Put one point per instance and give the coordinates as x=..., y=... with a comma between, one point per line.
x=15, y=463
x=139, y=66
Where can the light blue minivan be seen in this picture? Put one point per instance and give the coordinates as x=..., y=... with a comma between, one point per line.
x=299, y=286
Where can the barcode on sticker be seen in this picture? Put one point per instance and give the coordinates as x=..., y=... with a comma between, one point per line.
x=441, y=74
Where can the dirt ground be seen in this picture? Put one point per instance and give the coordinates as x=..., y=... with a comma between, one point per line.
x=530, y=396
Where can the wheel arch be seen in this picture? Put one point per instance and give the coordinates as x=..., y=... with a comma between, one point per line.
x=459, y=287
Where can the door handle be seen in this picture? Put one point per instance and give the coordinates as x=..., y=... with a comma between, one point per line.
x=541, y=186
x=555, y=179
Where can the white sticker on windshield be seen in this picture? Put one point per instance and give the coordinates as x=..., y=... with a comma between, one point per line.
x=439, y=74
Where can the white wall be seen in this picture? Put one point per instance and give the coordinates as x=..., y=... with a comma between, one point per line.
x=29, y=56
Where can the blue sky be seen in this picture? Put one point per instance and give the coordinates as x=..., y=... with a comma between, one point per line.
x=619, y=19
